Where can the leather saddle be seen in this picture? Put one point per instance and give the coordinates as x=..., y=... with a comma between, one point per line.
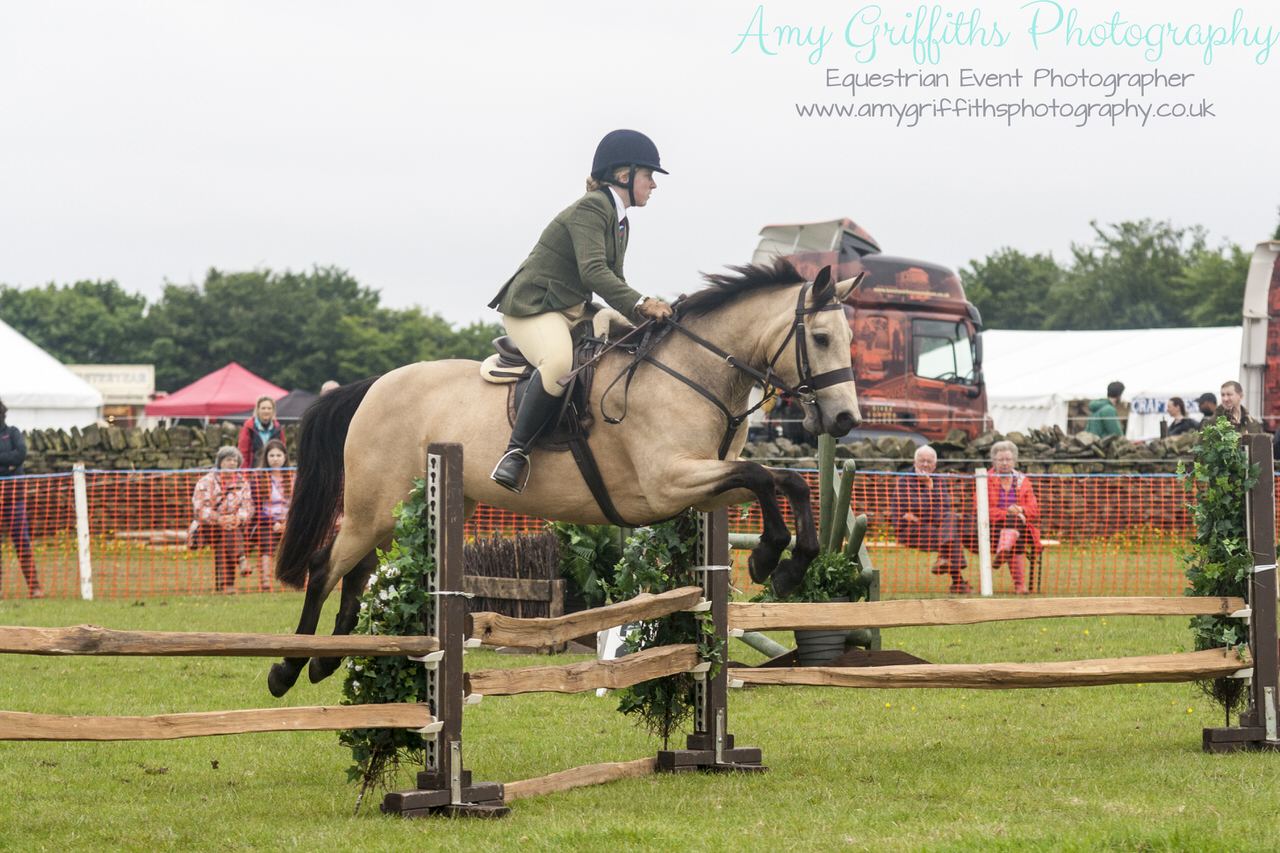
x=508, y=366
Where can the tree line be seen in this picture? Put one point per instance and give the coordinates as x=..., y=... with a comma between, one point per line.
x=294, y=329
x=300, y=329
x=1132, y=275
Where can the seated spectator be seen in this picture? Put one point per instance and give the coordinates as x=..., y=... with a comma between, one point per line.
x=13, y=501
x=223, y=505
x=922, y=518
x=272, y=494
x=1012, y=508
x=1178, y=420
x=1103, y=419
x=1233, y=409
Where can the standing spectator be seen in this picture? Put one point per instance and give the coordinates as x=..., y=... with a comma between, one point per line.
x=272, y=494
x=1233, y=409
x=223, y=505
x=1014, y=511
x=1207, y=403
x=922, y=518
x=258, y=430
x=13, y=501
x=1103, y=420
x=1178, y=420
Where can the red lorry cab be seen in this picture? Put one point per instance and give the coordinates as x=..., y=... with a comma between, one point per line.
x=917, y=342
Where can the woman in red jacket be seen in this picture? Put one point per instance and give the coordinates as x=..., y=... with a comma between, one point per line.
x=1013, y=511
x=258, y=430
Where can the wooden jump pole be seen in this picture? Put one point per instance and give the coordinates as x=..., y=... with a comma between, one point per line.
x=1189, y=666
x=15, y=725
x=92, y=640
x=536, y=632
x=1258, y=724
x=962, y=611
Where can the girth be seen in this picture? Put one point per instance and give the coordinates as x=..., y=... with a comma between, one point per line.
x=576, y=418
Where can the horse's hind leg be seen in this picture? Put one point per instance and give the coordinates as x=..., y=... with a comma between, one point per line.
x=348, y=613
x=789, y=573
x=283, y=675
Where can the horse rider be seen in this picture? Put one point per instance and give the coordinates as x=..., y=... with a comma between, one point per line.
x=579, y=254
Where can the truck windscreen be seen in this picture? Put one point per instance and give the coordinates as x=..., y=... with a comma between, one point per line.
x=942, y=351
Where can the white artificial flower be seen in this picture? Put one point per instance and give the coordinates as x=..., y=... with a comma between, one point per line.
x=355, y=685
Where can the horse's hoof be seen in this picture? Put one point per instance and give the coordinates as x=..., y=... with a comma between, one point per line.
x=787, y=577
x=280, y=678
x=762, y=563
x=322, y=668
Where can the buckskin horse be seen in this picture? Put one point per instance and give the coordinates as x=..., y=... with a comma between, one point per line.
x=676, y=447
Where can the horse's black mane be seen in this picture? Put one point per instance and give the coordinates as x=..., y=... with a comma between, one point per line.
x=723, y=288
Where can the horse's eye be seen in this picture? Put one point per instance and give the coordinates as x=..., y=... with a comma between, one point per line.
x=821, y=339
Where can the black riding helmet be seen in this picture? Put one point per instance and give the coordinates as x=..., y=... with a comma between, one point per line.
x=624, y=148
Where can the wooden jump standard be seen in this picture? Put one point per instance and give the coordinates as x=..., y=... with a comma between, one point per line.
x=1258, y=724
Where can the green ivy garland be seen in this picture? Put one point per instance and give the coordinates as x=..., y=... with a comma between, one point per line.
x=1219, y=562
x=658, y=559
x=395, y=603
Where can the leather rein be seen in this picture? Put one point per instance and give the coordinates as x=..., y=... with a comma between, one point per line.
x=805, y=390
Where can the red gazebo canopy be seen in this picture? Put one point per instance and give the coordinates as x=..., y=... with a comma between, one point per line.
x=223, y=392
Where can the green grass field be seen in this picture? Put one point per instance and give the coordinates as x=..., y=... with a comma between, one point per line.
x=1076, y=769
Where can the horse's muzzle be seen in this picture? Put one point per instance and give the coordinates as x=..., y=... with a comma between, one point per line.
x=845, y=422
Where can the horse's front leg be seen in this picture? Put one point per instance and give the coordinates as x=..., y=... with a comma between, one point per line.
x=348, y=613
x=789, y=573
x=775, y=537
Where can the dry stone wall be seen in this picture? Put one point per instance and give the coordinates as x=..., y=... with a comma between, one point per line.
x=1040, y=451
x=114, y=448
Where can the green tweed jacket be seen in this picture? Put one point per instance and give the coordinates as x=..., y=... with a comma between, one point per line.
x=578, y=254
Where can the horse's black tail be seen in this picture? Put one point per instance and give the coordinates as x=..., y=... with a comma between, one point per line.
x=319, y=481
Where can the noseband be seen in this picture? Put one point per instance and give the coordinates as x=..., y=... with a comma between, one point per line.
x=805, y=390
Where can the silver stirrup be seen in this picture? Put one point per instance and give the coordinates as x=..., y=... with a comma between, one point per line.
x=528, y=469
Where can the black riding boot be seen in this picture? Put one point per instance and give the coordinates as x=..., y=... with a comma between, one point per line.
x=536, y=410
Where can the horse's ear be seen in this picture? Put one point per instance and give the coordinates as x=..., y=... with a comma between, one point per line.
x=844, y=288
x=822, y=289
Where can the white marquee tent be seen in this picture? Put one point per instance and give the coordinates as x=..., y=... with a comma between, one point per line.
x=39, y=391
x=1031, y=376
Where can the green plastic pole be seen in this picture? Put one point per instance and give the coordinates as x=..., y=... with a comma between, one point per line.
x=826, y=489
x=854, y=544
x=844, y=498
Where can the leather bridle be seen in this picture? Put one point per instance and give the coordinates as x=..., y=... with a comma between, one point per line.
x=805, y=390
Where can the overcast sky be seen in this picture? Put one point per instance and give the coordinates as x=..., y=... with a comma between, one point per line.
x=423, y=146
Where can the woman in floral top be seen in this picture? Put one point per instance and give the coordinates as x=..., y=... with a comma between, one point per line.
x=223, y=505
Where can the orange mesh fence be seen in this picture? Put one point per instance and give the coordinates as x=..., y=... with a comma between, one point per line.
x=1103, y=534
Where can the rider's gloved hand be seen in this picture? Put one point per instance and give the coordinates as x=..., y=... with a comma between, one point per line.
x=654, y=309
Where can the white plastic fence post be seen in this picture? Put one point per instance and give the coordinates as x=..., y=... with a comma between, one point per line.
x=82, y=531
x=984, y=530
